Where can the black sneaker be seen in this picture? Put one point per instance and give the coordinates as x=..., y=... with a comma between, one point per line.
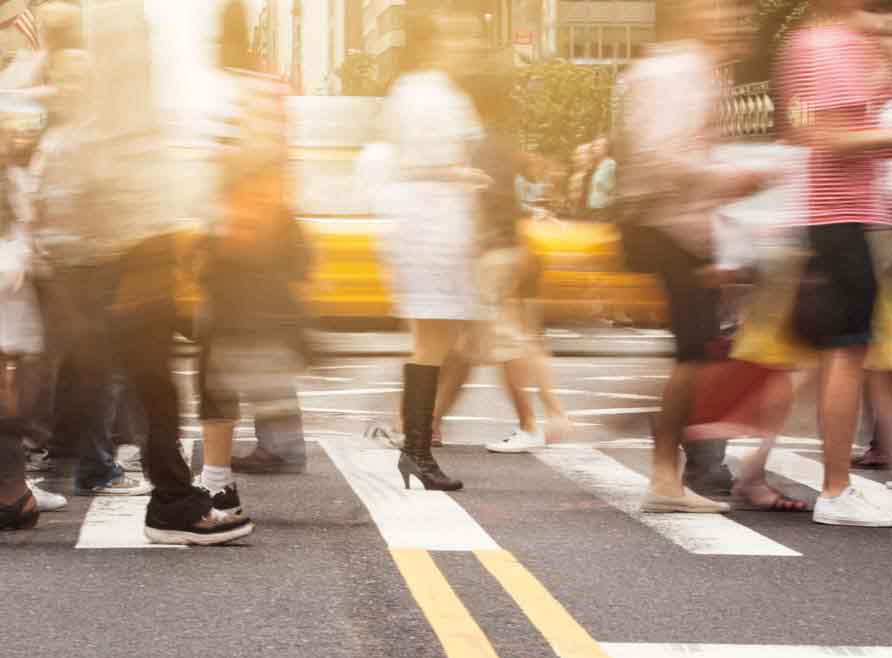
x=227, y=501
x=215, y=527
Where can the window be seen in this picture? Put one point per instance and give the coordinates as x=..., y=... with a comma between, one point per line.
x=614, y=42
x=563, y=42
x=581, y=42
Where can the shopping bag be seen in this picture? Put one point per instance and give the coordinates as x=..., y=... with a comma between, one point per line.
x=728, y=401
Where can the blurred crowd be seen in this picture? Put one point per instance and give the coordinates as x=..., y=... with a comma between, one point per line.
x=89, y=257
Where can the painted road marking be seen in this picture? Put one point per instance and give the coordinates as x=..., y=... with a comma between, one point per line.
x=583, y=413
x=809, y=472
x=454, y=626
x=567, y=638
x=116, y=522
x=407, y=519
x=621, y=378
x=119, y=521
x=620, y=650
x=623, y=488
x=454, y=419
x=349, y=391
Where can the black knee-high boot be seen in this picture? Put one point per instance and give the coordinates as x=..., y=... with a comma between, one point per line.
x=419, y=398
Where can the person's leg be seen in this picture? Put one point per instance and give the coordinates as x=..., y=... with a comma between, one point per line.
x=433, y=340
x=18, y=508
x=693, y=313
x=751, y=485
x=516, y=377
x=557, y=425
x=145, y=318
x=454, y=374
x=842, y=375
x=878, y=403
x=77, y=307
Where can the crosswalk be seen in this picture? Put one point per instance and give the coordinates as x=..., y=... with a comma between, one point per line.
x=418, y=525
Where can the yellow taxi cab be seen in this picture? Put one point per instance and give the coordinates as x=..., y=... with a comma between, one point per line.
x=582, y=274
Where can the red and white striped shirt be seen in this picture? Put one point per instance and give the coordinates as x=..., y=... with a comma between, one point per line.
x=834, y=68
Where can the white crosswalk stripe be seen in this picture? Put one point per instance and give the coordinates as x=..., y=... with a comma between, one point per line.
x=623, y=488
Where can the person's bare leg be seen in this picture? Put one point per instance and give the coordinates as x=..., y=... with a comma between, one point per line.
x=880, y=389
x=515, y=376
x=776, y=400
x=557, y=425
x=669, y=427
x=842, y=376
x=217, y=437
x=454, y=374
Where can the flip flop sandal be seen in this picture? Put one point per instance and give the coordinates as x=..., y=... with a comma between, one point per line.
x=870, y=461
x=781, y=503
x=15, y=517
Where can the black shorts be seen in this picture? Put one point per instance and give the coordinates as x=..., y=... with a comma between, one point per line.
x=693, y=308
x=843, y=257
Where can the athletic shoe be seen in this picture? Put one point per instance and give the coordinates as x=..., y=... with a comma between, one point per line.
x=226, y=501
x=46, y=501
x=215, y=527
x=120, y=486
x=38, y=461
x=851, y=508
x=519, y=442
x=130, y=459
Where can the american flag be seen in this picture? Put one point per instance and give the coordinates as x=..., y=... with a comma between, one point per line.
x=26, y=23
x=17, y=14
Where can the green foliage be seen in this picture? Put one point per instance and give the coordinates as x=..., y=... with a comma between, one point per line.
x=359, y=76
x=560, y=105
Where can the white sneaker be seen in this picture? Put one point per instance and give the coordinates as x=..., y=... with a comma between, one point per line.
x=46, y=501
x=851, y=508
x=518, y=442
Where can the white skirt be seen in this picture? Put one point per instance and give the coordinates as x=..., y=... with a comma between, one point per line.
x=430, y=250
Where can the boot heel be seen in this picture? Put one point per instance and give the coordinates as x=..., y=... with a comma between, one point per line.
x=406, y=478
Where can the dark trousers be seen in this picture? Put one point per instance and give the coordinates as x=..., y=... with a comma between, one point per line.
x=123, y=314
x=77, y=332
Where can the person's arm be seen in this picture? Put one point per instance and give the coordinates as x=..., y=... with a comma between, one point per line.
x=663, y=138
x=830, y=131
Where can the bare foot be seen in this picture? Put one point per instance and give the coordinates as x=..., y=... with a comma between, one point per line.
x=760, y=496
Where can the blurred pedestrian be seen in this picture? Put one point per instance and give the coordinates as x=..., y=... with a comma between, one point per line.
x=431, y=125
x=668, y=187
x=834, y=81
x=252, y=325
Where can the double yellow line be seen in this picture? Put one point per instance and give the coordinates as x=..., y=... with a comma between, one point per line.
x=456, y=629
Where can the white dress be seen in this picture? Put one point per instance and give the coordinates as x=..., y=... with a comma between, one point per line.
x=430, y=125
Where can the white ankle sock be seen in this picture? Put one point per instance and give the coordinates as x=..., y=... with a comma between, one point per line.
x=216, y=478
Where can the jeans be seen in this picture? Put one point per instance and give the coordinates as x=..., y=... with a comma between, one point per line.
x=74, y=306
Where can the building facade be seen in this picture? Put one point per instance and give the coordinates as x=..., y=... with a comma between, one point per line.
x=383, y=34
x=306, y=41
x=587, y=31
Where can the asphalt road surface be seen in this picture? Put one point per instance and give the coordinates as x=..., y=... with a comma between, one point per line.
x=541, y=555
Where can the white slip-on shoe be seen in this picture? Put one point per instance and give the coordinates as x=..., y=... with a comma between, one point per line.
x=688, y=503
x=519, y=442
x=47, y=501
x=851, y=508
